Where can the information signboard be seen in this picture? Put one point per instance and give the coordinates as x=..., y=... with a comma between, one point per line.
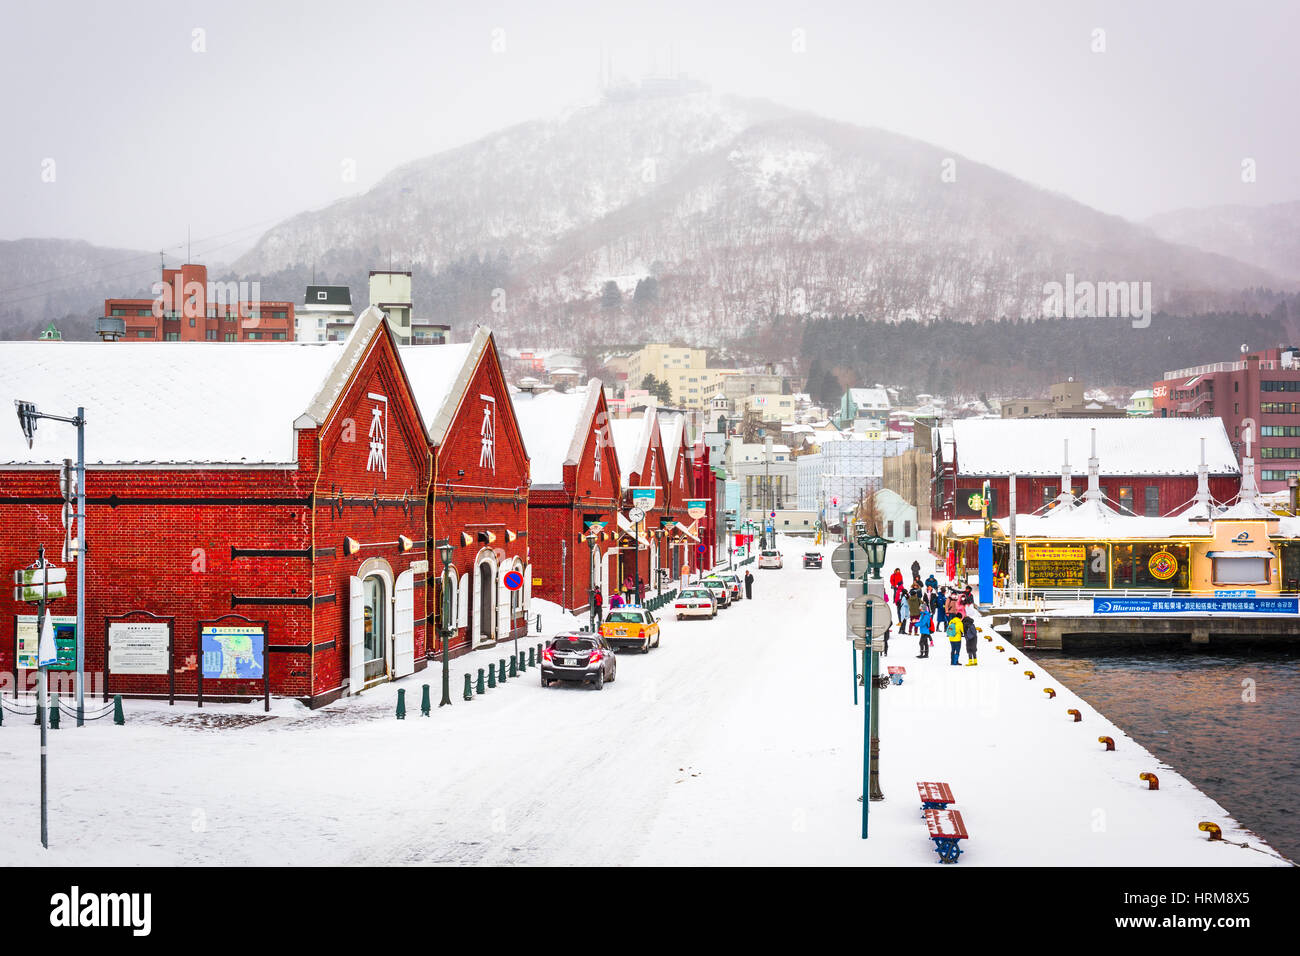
x=139, y=647
x=65, y=642
x=1195, y=605
x=233, y=652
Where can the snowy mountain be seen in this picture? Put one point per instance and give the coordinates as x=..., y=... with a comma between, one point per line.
x=65, y=281
x=1264, y=236
x=739, y=209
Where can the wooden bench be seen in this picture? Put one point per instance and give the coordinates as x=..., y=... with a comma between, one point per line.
x=947, y=831
x=934, y=795
x=896, y=674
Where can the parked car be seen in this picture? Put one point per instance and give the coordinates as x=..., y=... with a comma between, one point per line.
x=732, y=581
x=578, y=656
x=695, y=602
x=721, y=593
x=770, y=558
x=812, y=559
x=630, y=627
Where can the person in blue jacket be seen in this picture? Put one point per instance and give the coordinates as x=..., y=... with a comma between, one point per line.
x=923, y=632
x=954, y=639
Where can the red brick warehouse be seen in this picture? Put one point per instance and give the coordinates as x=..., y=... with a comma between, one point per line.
x=479, y=497
x=274, y=489
x=573, y=503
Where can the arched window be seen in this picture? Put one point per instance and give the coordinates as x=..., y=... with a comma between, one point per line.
x=375, y=592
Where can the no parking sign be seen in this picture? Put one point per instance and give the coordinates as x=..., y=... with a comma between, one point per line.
x=513, y=580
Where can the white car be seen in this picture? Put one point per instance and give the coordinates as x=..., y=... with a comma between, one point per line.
x=695, y=602
x=771, y=558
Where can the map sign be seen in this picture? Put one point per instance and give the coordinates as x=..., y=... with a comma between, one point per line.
x=65, y=642
x=139, y=648
x=233, y=652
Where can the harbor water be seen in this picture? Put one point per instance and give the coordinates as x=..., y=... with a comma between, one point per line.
x=1225, y=722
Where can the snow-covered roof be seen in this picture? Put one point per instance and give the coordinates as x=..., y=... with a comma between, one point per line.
x=439, y=375
x=672, y=433
x=632, y=439
x=553, y=425
x=1125, y=446
x=232, y=404
x=869, y=397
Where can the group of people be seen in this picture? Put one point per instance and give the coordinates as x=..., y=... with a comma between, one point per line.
x=927, y=607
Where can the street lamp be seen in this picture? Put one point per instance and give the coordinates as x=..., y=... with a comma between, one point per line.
x=875, y=546
x=445, y=552
x=27, y=418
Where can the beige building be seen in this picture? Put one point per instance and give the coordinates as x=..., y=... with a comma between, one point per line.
x=771, y=408
x=685, y=370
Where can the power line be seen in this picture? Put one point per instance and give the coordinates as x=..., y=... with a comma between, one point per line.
x=109, y=265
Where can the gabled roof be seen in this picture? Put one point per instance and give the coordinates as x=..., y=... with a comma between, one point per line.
x=632, y=439
x=555, y=426
x=1125, y=446
x=217, y=404
x=439, y=375
x=672, y=432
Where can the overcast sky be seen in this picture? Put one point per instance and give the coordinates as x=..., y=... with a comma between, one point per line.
x=150, y=137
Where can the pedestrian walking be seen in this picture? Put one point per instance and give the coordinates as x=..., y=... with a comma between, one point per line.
x=954, y=640
x=598, y=600
x=913, y=607
x=952, y=606
x=932, y=582
x=900, y=605
x=924, y=635
x=628, y=587
x=972, y=641
x=896, y=579
x=940, y=618
x=967, y=599
x=916, y=570
x=749, y=584
x=615, y=600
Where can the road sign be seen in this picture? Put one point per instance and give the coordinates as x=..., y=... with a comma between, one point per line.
x=880, y=616
x=513, y=581
x=40, y=592
x=35, y=577
x=636, y=515
x=849, y=561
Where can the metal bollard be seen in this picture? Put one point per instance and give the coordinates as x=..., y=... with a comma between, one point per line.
x=532, y=661
x=501, y=671
x=469, y=688
x=514, y=666
x=119, y=717
x=539, y=624
x=425, y=705
x=492, y=676
x=479, y=689
x=523, y=662
x=401, y=703
x=539, y=652
x=54, y=713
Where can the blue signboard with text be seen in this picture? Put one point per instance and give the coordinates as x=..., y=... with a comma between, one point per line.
x=1195, y=605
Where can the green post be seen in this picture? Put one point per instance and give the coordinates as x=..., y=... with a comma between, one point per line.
x=532, y=660
x=40, y=713
x=492, y=676
x=501, y=671
x=426, y=704
x=523, y=662
x=514, y=666
x=401, y=703
x=539, y=652
x=469, y=688
x=54, y=713
x=119, y=717
x=480, y=688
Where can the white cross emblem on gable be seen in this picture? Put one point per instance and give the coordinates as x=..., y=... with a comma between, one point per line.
x=596, y=471
x=487, y=457
x=378, y=460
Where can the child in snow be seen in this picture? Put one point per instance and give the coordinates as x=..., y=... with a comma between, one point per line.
x=954, y=639
x=924, y=632
x=972, y=640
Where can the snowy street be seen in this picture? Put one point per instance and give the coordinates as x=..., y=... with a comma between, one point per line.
x=735, y=742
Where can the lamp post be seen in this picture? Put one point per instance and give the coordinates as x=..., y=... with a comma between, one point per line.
x=875, y=547
x=445, y=552
x=27, y=418
x=591, y=585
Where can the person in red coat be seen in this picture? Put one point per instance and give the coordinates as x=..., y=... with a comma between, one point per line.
x=896, y=579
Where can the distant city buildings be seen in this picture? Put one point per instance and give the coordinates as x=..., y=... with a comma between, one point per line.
x=1261, y=389
x=326, y=314
x=1066, y=400
x=188, y=308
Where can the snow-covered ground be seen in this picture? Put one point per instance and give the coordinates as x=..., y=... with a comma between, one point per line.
x=736, y=741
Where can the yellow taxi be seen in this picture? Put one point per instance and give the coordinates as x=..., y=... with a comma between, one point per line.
x=630, y=627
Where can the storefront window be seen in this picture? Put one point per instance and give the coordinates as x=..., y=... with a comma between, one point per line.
x=376, y=623
x=1151, y=565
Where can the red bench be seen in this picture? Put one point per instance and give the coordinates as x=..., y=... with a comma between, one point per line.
x=947, y=831
x=934, y=796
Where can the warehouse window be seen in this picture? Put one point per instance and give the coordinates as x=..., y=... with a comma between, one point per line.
x=1151, y=504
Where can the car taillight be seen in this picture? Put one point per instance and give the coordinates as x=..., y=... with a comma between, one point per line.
x=596, y=657
x=682, y=605
x=546, y=654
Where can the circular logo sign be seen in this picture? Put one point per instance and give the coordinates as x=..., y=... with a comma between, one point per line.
x=975, y=502
x=636, y=515
x=1162, y=565
x=514, y=580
